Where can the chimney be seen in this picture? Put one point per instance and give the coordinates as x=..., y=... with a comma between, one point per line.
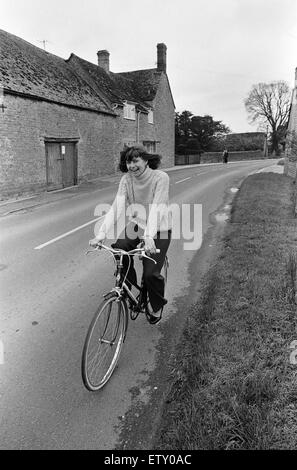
x=161, y=62
x=103, y=60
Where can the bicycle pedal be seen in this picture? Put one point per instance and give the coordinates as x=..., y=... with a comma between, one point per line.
x=134, y=314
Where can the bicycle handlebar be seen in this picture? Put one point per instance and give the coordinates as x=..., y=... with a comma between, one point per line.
x=137, y=251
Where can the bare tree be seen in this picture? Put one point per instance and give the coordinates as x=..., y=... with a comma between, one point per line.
x=269, y=104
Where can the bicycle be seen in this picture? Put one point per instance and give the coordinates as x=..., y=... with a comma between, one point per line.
x=108, y=328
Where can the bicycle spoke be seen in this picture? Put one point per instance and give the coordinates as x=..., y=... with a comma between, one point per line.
x=97, y=365
x=103, y=344
x=94, y=362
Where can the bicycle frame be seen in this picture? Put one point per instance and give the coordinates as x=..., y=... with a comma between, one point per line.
x=124, y=292
x=121, y=288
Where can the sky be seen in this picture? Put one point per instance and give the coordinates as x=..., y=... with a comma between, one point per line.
x=216, y=49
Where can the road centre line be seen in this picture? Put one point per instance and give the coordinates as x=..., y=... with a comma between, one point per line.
x=185, y=179
x=202, y=173
x=189, y=177
x=39, y=247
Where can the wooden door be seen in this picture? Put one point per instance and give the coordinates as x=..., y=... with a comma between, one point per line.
x=68, y=152
x=61, y=165
x=54, y=174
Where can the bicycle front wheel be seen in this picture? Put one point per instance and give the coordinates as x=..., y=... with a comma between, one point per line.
x=103, y=343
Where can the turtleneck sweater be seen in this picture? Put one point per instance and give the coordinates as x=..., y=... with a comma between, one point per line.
x=146, y=197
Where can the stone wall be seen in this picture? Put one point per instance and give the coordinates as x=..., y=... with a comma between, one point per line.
x=25, y=125
x=164, y=119
x=216, y=157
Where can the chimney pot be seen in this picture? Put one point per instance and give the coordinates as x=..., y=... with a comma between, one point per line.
x=161, y=57
x=103, y=60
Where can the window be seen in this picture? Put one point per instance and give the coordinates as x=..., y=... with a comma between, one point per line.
x=150, y=146
x=129, y=111
x=150, y=117
x=129, y=143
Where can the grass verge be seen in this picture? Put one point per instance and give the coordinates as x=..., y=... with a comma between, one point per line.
x=234, y=380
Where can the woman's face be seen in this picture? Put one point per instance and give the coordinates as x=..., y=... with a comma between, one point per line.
x=136, y=166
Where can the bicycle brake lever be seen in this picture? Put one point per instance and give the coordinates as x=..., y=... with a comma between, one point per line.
x=145, y=256
x=91, y=251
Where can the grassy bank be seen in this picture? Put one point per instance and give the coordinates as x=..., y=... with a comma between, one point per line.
x=234, y=385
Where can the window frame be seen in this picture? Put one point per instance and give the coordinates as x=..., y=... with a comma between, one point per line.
x=150, y=116
x=150, y=145
x=130, y=111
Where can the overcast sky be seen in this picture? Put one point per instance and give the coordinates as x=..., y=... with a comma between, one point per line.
x=216, y=49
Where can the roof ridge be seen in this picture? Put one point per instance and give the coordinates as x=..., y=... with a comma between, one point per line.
x=90, y=81
x=80, y=58
x=140, y=70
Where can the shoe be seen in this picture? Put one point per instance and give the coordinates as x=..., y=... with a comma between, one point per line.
x=154, y=319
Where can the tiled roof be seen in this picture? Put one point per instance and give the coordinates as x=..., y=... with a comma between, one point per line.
x=25, y=68
x=145, y=82
x=139, y=86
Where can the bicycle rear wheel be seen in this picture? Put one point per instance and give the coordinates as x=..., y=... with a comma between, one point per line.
x=103, y=343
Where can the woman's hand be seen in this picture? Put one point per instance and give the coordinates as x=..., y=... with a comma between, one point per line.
x=99, y=239
x=149, y=246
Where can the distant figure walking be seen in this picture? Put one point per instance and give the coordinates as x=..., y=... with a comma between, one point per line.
x=225, y=156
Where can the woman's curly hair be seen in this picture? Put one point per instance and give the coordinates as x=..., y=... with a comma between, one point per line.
x=136, y=151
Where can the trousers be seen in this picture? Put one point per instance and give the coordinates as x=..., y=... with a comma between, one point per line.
x=153, y=279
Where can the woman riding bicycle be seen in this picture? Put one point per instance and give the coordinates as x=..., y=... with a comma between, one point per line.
x=146, y=191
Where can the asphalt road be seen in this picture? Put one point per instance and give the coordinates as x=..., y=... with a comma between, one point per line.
x=49, y=292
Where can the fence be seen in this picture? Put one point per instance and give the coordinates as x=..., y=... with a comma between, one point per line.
x=216, y=157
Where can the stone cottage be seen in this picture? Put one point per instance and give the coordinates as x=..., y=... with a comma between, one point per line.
x=291, y=136
x=65, y=121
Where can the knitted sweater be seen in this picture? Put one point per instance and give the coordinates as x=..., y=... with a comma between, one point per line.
x=147, y=198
